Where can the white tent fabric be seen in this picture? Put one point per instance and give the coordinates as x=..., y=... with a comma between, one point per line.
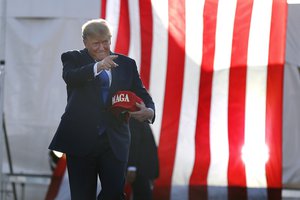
x=291, y=128
x=38, y=31
x=292, y=39
x=291, y=108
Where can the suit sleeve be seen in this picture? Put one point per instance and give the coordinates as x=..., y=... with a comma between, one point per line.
x=141, y=91
x=73, y=73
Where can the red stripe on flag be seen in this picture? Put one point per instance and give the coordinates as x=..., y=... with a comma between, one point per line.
x=146, y=21
x=103, y=9
x=123, y=37
x=237, y=100
x=237, y=94
x=173, y=95
x=275, y=93
x=56, y=179
x=202, y=143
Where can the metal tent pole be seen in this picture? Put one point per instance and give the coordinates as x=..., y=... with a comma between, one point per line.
x=14, y=189
x=1, y=130
x=2, y=62
x=3, y=133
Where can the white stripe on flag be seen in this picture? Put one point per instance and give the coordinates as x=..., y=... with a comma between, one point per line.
x=189, y=106
x=113, y=16
x=135, y=32
x=219, y=147
x=159, y=61
x=64, y=189
x=256, y=93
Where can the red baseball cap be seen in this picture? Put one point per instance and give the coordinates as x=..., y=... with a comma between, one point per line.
x=124, y=102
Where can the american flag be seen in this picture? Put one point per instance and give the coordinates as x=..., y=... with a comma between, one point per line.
x=215, y=71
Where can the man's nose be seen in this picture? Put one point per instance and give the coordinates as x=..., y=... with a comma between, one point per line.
x=101, y=46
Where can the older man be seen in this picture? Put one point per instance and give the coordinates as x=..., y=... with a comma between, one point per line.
x=95, y=142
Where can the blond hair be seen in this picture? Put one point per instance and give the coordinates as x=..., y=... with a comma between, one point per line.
x=96, y=27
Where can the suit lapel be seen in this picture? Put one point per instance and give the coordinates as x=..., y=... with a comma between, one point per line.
x=97, y=87
x=114, y=77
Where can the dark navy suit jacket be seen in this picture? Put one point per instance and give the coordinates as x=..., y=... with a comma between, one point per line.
x=85, y=114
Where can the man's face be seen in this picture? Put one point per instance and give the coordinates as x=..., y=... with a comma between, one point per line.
x=98, y=46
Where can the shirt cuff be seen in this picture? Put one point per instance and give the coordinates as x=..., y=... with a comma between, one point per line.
x=131, y=168
x=95, y=70
x=150, y=120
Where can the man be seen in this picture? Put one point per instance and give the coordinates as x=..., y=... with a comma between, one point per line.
x=94, y=141
x=143, y=160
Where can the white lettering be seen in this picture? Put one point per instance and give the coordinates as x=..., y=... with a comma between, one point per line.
x=120, y=98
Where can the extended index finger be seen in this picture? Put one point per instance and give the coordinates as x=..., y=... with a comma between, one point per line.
x=113, y=56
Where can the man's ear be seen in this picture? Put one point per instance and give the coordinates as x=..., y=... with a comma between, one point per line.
x=84, y=41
